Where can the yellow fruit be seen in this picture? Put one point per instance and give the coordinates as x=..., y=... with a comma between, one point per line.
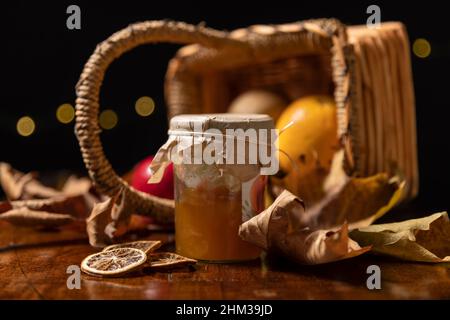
x=310, y=143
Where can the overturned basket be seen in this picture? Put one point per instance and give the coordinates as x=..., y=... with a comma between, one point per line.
x=367, y=69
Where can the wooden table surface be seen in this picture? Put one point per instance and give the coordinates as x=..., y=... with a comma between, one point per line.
x=38, y=271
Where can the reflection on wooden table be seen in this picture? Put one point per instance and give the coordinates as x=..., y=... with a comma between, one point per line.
x=30, y=271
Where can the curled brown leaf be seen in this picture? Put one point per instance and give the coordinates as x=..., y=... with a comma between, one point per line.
x=105, y=218
x=76, y=206
x=21, y=186
x=280, y=228
x=33, y=204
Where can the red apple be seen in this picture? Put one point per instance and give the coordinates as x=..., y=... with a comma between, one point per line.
x=141, y=175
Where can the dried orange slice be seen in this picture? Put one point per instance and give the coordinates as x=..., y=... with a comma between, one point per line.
x=114, y=262
x=144, y=245
x=168, y=260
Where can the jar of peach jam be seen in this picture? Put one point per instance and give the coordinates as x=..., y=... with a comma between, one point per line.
x=218, y=182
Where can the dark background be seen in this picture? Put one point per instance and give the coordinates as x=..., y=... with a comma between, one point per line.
x=40, y=62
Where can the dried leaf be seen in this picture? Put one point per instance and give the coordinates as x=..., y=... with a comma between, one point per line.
x=76, y=186
x=105, y=218
x=280, y=228
x=31, y=202
x=76, y=206
x=357, y=201
x=35, y=190
x=167, y=260
x=26, y=217
x=53, y=212
x=20, y=186
x=425, y=239
x=12, y=182
x=320, y=233
x=97, y=222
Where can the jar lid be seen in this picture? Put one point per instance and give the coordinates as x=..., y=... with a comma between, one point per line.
x=190, y=130
x=198, y=123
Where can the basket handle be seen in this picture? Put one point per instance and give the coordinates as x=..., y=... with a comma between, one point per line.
x=87, y=103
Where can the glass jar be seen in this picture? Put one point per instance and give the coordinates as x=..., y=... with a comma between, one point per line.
x=218, y=183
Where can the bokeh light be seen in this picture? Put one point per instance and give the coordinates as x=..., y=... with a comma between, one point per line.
x=108, y=119
x=25, y=126
x=65, y=113
x=144, y=106
x=421, y=48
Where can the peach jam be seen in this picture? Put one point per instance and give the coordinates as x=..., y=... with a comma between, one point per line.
x=218, y=182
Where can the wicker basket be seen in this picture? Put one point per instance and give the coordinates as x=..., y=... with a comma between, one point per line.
x=368, y=70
